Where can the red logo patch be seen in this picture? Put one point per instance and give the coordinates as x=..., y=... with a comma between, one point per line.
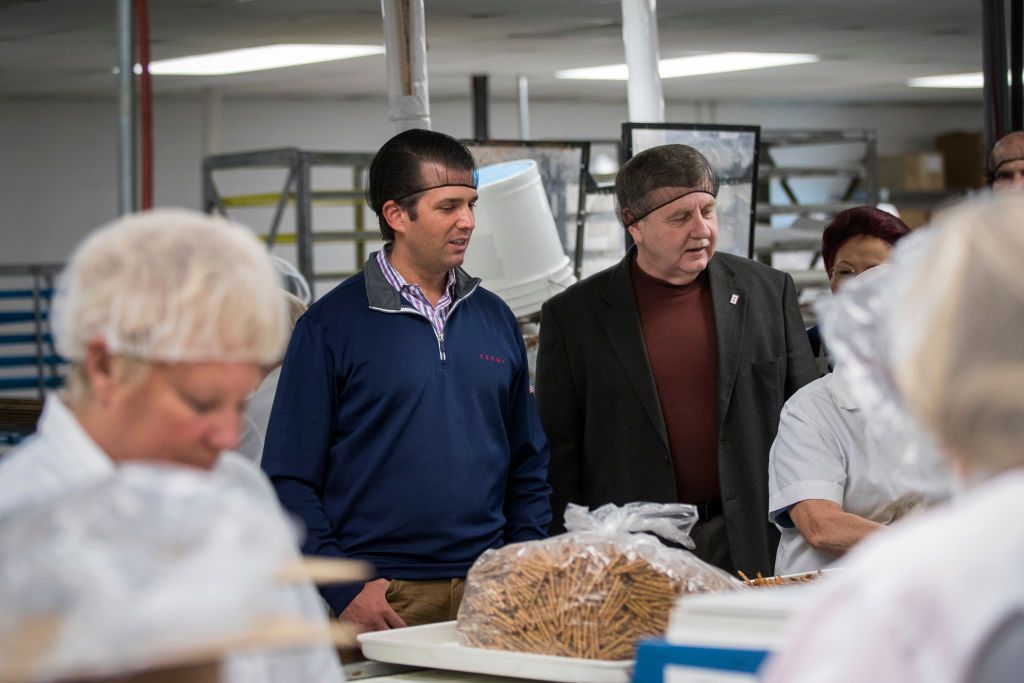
x=491, y=359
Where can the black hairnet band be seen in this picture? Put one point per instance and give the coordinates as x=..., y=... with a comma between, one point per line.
x=1005, y=161
x=476, y=182
x=664, y=204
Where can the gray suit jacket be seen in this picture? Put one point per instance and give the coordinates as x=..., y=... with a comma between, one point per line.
x=603, y=418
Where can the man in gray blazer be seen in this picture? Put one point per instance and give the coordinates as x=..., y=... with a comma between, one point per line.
x=662, y=378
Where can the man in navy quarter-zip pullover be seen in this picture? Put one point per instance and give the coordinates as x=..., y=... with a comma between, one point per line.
x=404, y=430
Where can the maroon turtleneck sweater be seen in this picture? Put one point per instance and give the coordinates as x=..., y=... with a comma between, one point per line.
x=678, y=323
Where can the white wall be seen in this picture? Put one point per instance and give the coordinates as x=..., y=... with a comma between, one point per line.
x=57, y=157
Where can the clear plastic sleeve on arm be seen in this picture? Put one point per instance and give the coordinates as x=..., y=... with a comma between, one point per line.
x=147, y=564
x=591, y=592
x=867, y=327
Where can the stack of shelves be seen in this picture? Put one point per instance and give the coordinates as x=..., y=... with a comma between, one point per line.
x=297, y=191
x=807, y=177
x=29, y=364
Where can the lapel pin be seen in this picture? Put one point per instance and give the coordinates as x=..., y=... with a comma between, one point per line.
x=734, y=299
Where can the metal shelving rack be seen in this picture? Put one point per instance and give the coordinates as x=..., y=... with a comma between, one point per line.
x=299, y=192
x=862, y=176
x=861, y=182
x=29, y=363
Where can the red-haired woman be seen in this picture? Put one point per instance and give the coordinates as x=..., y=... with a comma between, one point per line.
x=856, y=240
x=830, y=483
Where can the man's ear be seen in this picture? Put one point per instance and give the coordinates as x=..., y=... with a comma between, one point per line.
x=99, y=370
x=395, y=215
x=635, y=233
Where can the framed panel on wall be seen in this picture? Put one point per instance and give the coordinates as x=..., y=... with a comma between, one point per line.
x=733, y=151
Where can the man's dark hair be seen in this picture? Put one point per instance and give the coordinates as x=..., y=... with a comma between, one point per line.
x=677, y=166
x=396, y=171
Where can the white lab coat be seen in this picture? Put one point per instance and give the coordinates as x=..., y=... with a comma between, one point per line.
x=919, y=603
x=61, y=457
x=825, y=451
x=58, y=457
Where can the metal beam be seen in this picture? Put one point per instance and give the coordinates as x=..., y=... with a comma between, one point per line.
x=126, y=168
x=523, y=98
x=405, y=42
x=640, y=41
x=1016, y=64
x=481, y=108
x=996, y=95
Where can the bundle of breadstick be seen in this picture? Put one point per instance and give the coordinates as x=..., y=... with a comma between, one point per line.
x=762, y=581
x=590, y=593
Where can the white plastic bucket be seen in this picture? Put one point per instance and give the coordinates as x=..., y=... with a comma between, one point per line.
x=515, y=248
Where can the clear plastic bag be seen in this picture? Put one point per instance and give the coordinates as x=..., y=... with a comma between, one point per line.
x=869, y=327
x=591, y=592
x=151, y=562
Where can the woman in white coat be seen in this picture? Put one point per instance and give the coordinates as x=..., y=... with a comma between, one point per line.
x=831, y=483
x=169, y=319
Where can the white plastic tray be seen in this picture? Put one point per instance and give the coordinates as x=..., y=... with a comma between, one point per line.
x=437, y=646
x=751, y=619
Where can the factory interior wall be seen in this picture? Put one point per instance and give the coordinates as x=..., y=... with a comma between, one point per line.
x=58, y=172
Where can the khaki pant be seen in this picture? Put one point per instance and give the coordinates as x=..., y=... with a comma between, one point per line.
x=425, y=602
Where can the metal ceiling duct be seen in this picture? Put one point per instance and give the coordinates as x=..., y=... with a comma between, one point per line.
x=640, y=40
x=405, y=42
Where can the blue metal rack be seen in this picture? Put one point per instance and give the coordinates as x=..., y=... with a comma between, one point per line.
x=26, y=345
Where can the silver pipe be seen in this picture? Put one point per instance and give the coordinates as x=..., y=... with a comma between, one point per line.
x=126, y=172
x=523, y=97
x=213, y=116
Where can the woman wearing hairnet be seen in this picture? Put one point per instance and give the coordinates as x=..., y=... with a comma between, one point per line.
x=830, y=482
x=855, y=241
x=169, y=319
x=257, y=410
x=941, y=598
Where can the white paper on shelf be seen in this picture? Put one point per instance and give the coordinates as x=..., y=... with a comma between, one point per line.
x=753, y=619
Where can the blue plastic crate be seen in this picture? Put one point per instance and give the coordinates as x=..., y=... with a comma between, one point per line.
x=652, y=656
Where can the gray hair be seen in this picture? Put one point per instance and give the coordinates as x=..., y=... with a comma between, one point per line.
x=658, y=176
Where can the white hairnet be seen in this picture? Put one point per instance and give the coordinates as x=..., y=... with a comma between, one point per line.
x=172, y=285
x=934, y=340
x=292, y=280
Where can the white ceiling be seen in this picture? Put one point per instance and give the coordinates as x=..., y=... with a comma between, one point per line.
x=868, y=47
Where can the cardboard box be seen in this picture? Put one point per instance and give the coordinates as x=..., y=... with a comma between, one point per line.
x=964, y=157
x=918, y=172
x=915, y=218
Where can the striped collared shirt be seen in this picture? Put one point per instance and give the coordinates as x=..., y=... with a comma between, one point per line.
x=437, y=315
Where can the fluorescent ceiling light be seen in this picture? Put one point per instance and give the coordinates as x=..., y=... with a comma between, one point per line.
x=716, y=63
x=258, y=59
x=974, y=80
